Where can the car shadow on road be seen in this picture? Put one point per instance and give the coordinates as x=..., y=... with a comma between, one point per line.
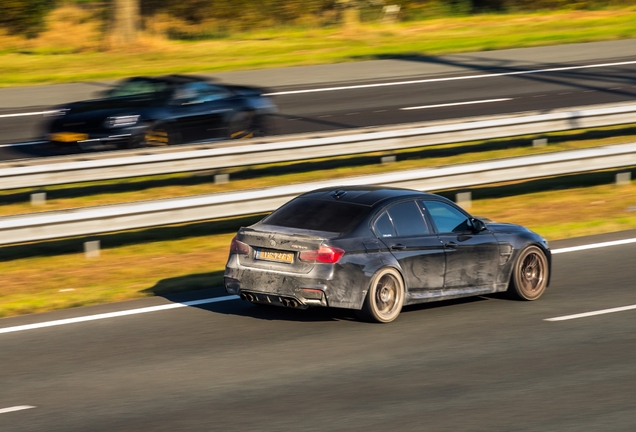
x=193, y=287
x=190, y=288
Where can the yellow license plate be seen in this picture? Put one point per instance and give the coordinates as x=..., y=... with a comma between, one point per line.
x=67, y=137
x=269, y=255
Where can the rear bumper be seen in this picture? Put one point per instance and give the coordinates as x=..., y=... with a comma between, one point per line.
x=296, y=294
x=279, y=288
x=341, y=285
x=296, y=302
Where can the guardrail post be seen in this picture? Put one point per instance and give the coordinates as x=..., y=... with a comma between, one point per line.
x=464, y=199
x=221, y=178
x=38, y=198
x=623, y=178
x=384, y=160
x=540, y=142
x=91, y=249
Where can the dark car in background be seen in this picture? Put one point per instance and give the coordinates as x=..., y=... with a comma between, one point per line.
x=159, y=111
x=376, y=249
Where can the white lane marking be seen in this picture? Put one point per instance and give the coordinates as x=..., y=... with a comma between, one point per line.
x=589, y=314
x=456, y=104
x=15, y=408
x=587, y=247
x=458, y=78
x=26, y=114
x=594, y=246
x=22, y=144
x=115, y=314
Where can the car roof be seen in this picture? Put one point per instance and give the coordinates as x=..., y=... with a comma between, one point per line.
x=174, y=78
x=364, y=195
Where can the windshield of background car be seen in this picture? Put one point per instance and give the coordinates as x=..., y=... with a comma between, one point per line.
x=318, y=215
x=140, y=87
x=199, y=92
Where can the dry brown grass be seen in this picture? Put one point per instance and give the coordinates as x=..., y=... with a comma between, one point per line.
x=566, y=213
x=81, y=55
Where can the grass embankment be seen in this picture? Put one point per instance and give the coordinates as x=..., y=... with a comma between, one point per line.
x=71, y=49
x=170, y=186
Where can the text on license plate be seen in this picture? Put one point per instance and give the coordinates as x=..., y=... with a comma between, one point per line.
x=269, y=255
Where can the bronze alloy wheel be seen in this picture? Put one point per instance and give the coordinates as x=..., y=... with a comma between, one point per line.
x=530, y=274
x=385, y=298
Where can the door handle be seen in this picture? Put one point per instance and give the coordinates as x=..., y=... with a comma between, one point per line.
x=398, y=247
x=450, y=245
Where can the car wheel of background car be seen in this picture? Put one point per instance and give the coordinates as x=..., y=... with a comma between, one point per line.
x=385, y=298
x=529, y=274
x=157, y=136
x=265, y=125
x=241, y=126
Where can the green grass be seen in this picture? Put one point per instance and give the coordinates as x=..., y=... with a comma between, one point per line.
x=54, y=59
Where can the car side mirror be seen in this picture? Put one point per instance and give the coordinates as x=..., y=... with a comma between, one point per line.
x=478, y=225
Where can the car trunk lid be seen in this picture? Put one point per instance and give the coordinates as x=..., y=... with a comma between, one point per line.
x=278, y=248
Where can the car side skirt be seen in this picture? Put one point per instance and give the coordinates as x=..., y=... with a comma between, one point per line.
x=416, y=297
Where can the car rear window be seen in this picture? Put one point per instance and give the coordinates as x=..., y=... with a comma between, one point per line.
x=318, y=215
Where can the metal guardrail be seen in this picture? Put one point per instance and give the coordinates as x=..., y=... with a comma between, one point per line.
x=114, y=165
x=145, y=214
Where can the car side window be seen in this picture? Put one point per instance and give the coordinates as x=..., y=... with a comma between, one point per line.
x=408, y=219
x=447, y=218
x=384, y=227
x=199, y=92
x=214, y=92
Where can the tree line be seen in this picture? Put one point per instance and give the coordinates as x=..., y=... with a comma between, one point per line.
x=27, y=17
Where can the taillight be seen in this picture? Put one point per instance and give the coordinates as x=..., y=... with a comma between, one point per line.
x=325, y=254
x=238, y=247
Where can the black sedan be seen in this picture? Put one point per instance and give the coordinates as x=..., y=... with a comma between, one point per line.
x=159, y=111
x=377, y=249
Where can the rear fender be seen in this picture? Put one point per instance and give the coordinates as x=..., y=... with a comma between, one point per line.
x=352, y=278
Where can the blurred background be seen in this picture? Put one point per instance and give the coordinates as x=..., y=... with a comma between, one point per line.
x=97, y=24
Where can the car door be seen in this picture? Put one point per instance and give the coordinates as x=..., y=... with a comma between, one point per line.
x=403, y=229
x=198, y=111
x=472, y=258
x=218, y=105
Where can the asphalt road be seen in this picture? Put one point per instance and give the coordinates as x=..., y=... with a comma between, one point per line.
x=485, y=364
x=411, y=89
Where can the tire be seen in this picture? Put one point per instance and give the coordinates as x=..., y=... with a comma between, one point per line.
x=265, y=125
x=241, y=126
x=385, y=298
x=529, y=275
x=157, y=136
